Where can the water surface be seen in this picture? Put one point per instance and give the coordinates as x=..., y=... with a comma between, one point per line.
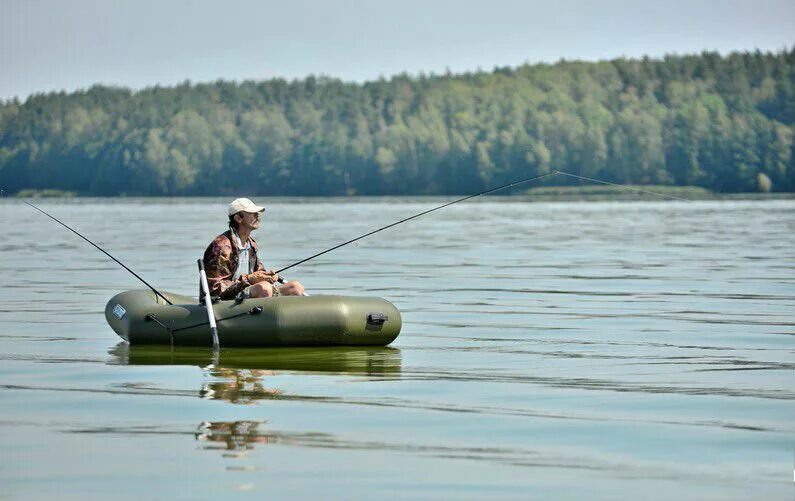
x=600, y=350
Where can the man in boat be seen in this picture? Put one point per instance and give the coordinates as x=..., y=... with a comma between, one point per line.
x=231, y=262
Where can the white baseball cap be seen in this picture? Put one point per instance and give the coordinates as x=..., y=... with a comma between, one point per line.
x=244, y=205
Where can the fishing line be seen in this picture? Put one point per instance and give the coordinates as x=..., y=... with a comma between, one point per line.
x=622, y=186
x=101, y=250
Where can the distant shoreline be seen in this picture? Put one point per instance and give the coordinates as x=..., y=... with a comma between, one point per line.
x=724, y=123
x=540, y=194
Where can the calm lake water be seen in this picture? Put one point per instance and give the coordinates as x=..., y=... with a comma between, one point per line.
x=549, y=350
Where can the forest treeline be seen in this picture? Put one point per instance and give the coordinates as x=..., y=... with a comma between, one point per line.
x=702, y=120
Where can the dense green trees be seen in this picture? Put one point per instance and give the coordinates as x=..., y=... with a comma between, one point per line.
x=705, y=120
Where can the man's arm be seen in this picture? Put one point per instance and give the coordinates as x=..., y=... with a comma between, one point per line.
x=219, y=273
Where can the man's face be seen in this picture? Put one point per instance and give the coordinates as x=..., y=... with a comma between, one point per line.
x=249, y=220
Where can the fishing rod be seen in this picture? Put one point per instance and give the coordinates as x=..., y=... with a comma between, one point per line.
x=492, y=190
x=100, y=249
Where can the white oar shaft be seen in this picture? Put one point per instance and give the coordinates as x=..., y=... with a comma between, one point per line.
x=208, y=303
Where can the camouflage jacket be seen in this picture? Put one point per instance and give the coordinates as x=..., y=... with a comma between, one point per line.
x=220, y=264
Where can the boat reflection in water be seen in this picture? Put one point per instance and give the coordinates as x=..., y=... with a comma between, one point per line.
x=233, y=435
x=237, y=375
x=235, y=438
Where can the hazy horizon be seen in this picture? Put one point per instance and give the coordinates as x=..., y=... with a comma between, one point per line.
x=49, y=46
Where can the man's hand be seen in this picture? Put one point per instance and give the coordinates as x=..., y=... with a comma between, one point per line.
x=263, y=276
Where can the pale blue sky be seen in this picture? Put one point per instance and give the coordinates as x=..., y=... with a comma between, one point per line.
x=68, y=44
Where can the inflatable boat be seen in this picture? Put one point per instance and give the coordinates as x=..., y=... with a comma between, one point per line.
x=142, y=317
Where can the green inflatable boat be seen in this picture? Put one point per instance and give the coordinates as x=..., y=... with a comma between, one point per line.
x=141, y=317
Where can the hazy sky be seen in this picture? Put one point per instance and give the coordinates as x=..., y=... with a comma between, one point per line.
x=68, y=44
